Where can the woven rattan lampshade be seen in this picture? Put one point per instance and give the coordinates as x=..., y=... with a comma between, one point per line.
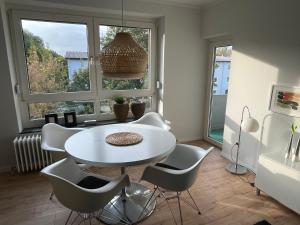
x=123, y=58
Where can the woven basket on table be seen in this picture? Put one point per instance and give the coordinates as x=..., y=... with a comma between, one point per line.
x=123, y=58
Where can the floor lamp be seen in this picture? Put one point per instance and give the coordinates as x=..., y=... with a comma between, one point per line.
x=249, y=125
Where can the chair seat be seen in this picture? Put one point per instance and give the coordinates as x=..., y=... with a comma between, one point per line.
x=91, y=182
x=177, y=173
x=163, y=165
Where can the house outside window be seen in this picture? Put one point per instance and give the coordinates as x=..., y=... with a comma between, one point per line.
x=76, y=61
x=221, y=75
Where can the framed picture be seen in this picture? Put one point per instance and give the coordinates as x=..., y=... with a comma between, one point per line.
x=285, y=100
x=51, y=118
x=70, y=119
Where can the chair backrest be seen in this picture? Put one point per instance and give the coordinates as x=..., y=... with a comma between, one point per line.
x=154, y=119
x=54, y=136
x=64, y=176
x=188, y=159
x=192, y=159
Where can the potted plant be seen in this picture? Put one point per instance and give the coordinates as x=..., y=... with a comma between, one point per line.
x=121, y=108
x=289, y=147
x=138, y=109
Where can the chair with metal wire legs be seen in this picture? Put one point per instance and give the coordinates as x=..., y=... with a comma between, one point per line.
x=54, y=137
x=154, y=119
x=83, y=192
x=177, y=174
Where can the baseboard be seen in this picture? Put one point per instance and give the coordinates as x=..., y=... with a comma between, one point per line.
x=241, y=162
x=5, y=169
x=190, y=139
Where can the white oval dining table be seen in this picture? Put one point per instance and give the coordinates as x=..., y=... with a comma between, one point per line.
x=90, y=147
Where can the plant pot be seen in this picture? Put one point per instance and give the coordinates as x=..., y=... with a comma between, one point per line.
x=121, y=111
x=138, y=109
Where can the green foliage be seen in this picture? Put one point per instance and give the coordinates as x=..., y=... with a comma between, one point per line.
x=81, y=81
x=122, y=84
x=224, y=51
x=141, y=37
x=294, y=128
x=47, y=71
x=119, y=99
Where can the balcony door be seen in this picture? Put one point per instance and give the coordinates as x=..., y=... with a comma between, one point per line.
x=219, y=76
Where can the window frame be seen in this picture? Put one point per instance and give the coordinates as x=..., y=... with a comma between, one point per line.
x=212, y=46
x=96, y=93
x=108, y=94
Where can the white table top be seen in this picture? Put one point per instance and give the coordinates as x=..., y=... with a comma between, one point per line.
x=90, y=147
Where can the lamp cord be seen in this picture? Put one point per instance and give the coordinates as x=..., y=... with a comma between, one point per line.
x=252, y=172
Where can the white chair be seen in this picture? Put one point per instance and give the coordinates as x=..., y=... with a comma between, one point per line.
x=54, y=137
x=82, y=192
x=154, y=119
x=177, y=173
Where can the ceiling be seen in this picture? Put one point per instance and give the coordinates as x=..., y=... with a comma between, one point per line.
x=186, y=3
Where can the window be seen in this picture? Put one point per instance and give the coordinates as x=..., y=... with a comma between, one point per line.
x=59, y=69
x=55, y=64
x=219, y=73
x=141, y=35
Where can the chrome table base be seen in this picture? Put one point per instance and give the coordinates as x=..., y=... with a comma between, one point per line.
x=128, y=207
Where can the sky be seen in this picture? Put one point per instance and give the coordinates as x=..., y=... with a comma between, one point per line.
x=60, y=37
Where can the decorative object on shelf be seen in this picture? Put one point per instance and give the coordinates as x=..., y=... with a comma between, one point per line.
x=296, y=154
x=121, y=109
x=124, y=138
x=123, y=58
x=51, y=118
x=289, y=147
x=70, y=119
x=137, y=109
x=285, y=100
x=249, y=125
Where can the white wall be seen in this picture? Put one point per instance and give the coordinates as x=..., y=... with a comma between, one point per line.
x=8, y=119
x=184, y=79
x=266, y=43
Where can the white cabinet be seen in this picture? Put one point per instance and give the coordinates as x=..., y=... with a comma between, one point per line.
x=279, y=178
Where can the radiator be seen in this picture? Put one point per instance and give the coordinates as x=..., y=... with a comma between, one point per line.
x=29, y=155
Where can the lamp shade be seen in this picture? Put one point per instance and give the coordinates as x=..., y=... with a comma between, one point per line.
x=250, y=125
x=123, y=58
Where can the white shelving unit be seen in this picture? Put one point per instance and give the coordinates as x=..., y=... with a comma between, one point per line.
x=279, y=178
x=276, y=176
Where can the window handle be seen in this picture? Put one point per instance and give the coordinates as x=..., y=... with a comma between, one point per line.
x=94, y=59
x=17, y=90
x=158, y=84
x=91, y=60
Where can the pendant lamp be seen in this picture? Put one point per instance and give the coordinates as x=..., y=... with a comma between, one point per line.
x=123, y=58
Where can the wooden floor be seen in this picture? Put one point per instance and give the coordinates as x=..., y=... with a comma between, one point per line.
x=224, y=199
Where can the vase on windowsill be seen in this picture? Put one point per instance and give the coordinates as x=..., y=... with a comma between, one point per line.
x=138, y=109
x=121, y=109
